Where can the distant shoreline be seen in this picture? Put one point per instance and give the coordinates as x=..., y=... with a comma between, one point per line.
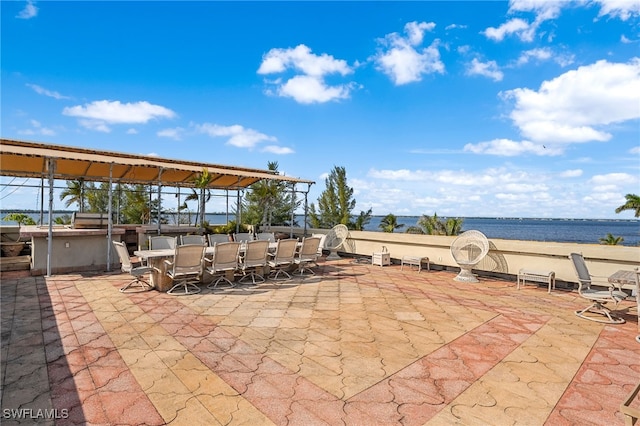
x=4, y=212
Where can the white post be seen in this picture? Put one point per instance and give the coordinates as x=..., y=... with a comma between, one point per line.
x=110, y=220
x=51, y=164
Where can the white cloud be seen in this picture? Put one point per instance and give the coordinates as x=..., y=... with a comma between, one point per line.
x=401, y=60
x=623, y=9
x=544, y=54
x=575, y=106
x=307, y=89
x=42, y=91
x=514, y=26
x=37, y=129
x=279, y=150
x=175, y=134
x=571, y=173
x=614, y=179
x=543, y=9
x=605, y=188
x=238, y=136
x=624, y=39
x=97, y=114
x=132, y=131
x=301, y=59
x=29, y=11
x=95, y=125
x=509, y=148
x=455, y=26
x=309, y=86
x=415, y=31
x=635, y=150
x=487, y=69
x=540, y=54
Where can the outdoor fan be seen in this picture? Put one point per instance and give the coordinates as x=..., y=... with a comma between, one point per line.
x=335, y=239
x=468, y=250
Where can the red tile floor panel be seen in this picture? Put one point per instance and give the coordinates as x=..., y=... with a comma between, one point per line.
x=92, y=382
x=88, y=377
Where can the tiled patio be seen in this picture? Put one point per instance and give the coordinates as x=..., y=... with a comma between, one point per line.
x=357, y=345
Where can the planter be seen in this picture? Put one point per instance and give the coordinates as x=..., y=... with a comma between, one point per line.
x=11, y=249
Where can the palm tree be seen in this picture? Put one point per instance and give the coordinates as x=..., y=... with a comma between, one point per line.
x=633, y=203
x=74, y=192
x=202, y=181
x=433, y=225
x=361, y=221
x=610, y=240
x=453, y=226
x=389, y=223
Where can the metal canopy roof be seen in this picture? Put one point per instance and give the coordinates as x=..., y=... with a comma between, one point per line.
x=30, y=159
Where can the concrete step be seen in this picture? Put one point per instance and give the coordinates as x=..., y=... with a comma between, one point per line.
x=16, y=263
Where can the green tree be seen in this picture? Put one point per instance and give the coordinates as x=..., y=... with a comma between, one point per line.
x=335, y=203
x=433, y=225
x=135, y=204
x=65, y=219
x=610, y=240
x=201, y=181
x=98, y=197
x=20, y=218
x=633, y=203
x=362, y=220
x=269, y=202
x=389, y=223
x=74, y=193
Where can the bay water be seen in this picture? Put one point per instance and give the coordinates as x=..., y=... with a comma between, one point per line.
x=588, y=231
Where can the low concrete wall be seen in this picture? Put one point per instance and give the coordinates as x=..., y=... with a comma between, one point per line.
x=505, y=257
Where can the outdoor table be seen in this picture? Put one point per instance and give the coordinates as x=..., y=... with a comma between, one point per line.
x=627, y=277
x=156, y=260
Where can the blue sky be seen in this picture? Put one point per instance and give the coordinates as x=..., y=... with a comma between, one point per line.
x=525, y=108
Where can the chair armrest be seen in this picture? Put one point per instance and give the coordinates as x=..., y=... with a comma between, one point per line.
x=168, y=262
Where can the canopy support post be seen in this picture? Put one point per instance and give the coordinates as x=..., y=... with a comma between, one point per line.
x=159, y=201
x=110, y=218
x=51, y=164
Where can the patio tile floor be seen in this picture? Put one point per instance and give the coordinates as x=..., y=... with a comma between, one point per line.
x=355, y=345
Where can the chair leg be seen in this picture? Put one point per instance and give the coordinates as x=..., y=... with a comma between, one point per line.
x=142, y=285
x=183, y=288
x=253, y=276
x=220, y=279
x=281, y=271
x=601, y=310
x=302, y=267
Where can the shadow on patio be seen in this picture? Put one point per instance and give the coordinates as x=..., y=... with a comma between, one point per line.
x=357, y=344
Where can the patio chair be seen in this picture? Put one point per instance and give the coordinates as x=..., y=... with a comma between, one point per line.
x=254, y=259
x=242, y=237
x=186, y=269
x=225, y=259
x=137, y=284
x=308, y=254
x=267, y=236
x=161, y=242
x=468, y=249
x=217, y=238
x=322, y=237
x=193, y=239
x=283, y=258
x=598, y=298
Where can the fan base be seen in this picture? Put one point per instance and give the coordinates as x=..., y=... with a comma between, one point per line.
x=333, y=255
x=466, y=276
